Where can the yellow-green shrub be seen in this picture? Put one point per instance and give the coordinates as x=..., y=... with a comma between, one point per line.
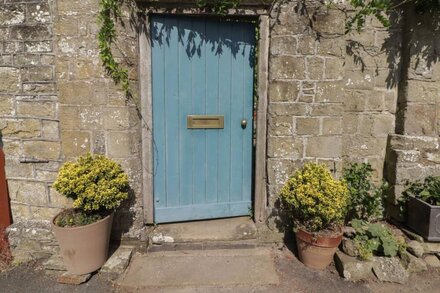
x=315, y=199
x=95, y=183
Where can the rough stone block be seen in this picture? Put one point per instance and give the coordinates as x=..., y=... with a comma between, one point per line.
x=279, y=170
x=291, y=109
x=78, y=93
x=331, y=47
x=307, y=126
x=285, y=91
x=15, y=169
x=39, y=13
x=420, y=119
x=75, y=143
x=331, y=126
x=20, y=128
x=287, y=67
x=72, y=279
x=383, y=124
x=69, y=117
x=389, y=269
x=355, y=101
x=38, y=46
x=358, y=79
x=329, y=92
x=6, y=106
x=55, y=263
x=324, y=147
x=327, y=109
x=44, y=213
x=12, y=14
x=37, y=73
x=280, y=126
x=431, y=247
x=122, y=144
x=351, y=268
x=36, y=88
x=118, y=261
x=28, y=192
x=307, y=45
x=117, y=118
x=330, y=23
x=334, y=68
x=36, y=109
x=41, y=150
x=284, y=147
x=415, y=248
x=50, y=129
x=9, y=79
x=432, y=261
x=413, y=264
x=285, y=45
x=57, y=200
x=35, y=32
x=315, y=68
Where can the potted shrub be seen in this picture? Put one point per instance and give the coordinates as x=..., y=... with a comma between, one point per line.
x=97, y=186
x=423, y=207
x=317, y=203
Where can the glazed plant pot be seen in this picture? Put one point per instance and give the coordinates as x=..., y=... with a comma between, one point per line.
x=424, y=218
x=84, y=249
x=316, y=251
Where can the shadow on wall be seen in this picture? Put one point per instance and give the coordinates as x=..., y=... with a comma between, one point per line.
x=124, y=217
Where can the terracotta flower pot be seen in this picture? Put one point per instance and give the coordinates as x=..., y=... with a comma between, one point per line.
x=316, y=250
x=84, y=249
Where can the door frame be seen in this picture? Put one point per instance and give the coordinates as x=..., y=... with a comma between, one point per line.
x=146, y=98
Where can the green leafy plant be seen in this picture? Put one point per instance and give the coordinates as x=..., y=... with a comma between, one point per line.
x=428, y=190
x=376, y=239
x=366, y=200
x=218, y=6
x=96, y=184
x=316, y=200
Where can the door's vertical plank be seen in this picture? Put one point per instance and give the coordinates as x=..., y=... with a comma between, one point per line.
x=197, y=53
x=237, y=90
x=224, y=80
x=212, y=77
x=171, y=113
x=158, y=87
x=185, y=106
x=248, y=93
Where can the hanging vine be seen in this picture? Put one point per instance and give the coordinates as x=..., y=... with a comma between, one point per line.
x=110, y=12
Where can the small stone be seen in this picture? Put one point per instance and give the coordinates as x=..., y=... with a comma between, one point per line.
x=349, y=248
x=432, y=261
x=72, y=279
x=168, y=239
x=157, y=239
x=413, y=264
x=119, y=260
x=415, y=248
x=349, y=231
x=351, y=268
x=431, y=247
x=389, y=269
x=55, y=263
x=412, y=235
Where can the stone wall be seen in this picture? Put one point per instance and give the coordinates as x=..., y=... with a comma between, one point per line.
x=332, y=96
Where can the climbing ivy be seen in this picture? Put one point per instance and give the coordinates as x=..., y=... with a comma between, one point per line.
x=110, y=11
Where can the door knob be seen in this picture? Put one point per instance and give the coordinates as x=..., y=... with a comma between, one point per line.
x=243, y=123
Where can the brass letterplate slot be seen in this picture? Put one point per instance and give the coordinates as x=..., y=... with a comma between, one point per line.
x=205, y=121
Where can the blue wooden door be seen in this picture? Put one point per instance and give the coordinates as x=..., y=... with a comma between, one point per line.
x=201, y=67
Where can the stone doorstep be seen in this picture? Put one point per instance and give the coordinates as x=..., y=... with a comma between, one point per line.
x=72, y=279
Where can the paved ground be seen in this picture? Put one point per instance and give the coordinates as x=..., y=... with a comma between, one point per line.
x=290, y=276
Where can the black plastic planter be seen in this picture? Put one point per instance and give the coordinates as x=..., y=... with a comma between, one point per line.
x=424, y=219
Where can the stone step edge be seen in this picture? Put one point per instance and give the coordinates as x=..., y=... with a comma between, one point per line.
x=208, y=245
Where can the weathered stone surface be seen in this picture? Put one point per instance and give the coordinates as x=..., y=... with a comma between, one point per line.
x=41, y=150
x=75, y=143
x=9, y=80
x=284, y=91
x=413, y=264
x=55, y=263
x=118, y=261
x=307, y=126
x=389, y=269
x=324, y=147
x=286, y=147
x=415, y=248
x=432, y=261
x=349, y=248
x=287, y=67
x=431, y=247
x=12, y=14
x=351, y=268
x=72, y=279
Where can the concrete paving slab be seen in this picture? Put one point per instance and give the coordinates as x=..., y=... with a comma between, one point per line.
x=200, y=269
x=240, y=228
